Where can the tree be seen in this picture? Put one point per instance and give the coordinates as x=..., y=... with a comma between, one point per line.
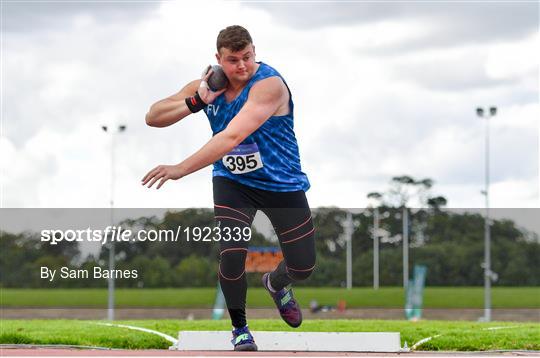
x=196, y=271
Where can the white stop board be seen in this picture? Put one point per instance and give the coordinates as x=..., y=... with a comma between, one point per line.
x=294, y=341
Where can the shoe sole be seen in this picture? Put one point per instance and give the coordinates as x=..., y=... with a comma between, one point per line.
x=251, y=347
x=294, y=325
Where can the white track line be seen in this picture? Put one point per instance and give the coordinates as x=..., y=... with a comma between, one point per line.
x=427, y=339
x=424, y=340
x=494, y=328
x=173, y=340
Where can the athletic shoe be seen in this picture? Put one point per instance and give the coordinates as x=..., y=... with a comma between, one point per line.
x=288, y=308
x=243, y=340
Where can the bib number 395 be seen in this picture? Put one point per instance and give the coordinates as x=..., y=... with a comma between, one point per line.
x=243, y=159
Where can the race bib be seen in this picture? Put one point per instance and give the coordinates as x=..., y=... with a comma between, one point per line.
x=243, y=159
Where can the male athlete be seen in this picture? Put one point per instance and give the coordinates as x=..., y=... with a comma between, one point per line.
x=256, y=167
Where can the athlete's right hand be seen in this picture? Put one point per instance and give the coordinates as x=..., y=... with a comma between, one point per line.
x=207, y=95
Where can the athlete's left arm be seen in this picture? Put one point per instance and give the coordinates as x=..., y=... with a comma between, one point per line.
x=263, y=101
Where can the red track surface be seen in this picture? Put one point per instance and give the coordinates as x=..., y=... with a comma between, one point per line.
x=58, y=352
x=48, y=352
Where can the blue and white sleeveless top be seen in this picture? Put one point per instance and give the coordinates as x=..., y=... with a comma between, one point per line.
x=268, y=159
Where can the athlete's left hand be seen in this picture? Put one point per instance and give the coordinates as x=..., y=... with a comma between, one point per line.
x=163, y=172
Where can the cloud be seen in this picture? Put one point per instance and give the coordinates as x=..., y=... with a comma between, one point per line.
x=34, y=16
x=447, y=23
x=453, y=70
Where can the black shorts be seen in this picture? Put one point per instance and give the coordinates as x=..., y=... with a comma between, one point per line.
x=235, y=205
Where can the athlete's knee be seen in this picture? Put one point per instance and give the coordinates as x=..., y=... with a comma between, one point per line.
x=232, y=263
x=298, y=274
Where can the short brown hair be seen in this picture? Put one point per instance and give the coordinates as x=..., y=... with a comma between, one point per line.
x=234, y=38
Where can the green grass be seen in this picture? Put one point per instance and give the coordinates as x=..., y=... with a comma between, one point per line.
x=387, y=297
x=455, y=336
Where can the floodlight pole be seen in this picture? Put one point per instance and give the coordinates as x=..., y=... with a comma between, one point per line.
x=376, y=248
x=349, y=234
x=487, y=229
x=110, y=281
x=405, y=247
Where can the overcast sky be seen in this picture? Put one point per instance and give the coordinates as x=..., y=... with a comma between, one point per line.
x=380, y=89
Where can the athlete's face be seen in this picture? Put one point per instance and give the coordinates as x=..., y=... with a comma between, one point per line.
x=238, y=66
